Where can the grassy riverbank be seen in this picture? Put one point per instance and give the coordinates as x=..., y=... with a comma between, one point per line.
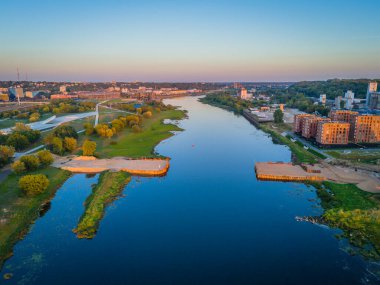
x=18, y=211
x=142, y=144
x=275, y=130
x=105, y=192
x=356, y=213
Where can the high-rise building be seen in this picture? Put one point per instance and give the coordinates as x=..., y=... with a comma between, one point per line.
x=244, y=94
x=342, y=115
x=338, y=99
x=16, y=92
x=332, y=133
x=374, y=101
x=299, y=121
x=349, y=99
x=365, y=129
x=372, y=88
x=63, y=89
x=310, y=125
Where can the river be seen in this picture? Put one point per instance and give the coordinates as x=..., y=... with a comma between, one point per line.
x=209, y=221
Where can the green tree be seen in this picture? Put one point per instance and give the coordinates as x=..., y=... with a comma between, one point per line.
x=65, y=131
x=31, y=162
x=70, y=144
x=89, y=148
x=89, y=129
x=34, y=117
x=45, y=157
x=33, y=185
x=278, y=116
x=18, y=141
x=6, y=154
x=18, y=167
x=56, y=145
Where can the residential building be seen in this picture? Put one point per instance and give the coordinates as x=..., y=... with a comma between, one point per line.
x=342, y=115
x=310, y=126
x=63, y=96
x=63, y=89
x=373, y=102
x=365, y=129
x=299, y=120
x=333, y=133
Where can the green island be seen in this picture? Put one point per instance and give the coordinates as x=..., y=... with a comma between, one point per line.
x=109, y=187
x=355, y=212
x=19, y=211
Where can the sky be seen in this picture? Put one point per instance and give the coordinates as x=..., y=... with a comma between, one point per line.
x=153, y=40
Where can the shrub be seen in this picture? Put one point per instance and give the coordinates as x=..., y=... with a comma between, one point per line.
x=89, y=148
x=70, y=144
x=89, y=129
x=147, y=114
x=33, y=185
x=31, y=162
x=34, y=117
x=136, y=129
x=18, y=167
x=45, y=157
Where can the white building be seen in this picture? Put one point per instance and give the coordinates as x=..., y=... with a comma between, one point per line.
x=322, y=99
x=349, y=99
x=337, y=102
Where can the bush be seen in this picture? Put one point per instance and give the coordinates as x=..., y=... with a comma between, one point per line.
x=33, y=185
x=70, y=144
x=65, y=131
x=89, y=148
x=45, y=157
x=136, y=129
x=18, y=167
x=34, y=117
x=89, y=129
x=147, y=114
x=31, y=162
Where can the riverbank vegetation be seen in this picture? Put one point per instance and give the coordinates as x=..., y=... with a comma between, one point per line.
x=109, y=187
x=356, y=213
x=18, y=211
x=130, y=142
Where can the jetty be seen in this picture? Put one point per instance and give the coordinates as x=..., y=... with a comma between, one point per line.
x=90, y=164
x=280, y=171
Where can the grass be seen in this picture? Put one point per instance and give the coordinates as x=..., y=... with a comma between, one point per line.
x=141, y=144
x=371, y=157
x=354, y=211
x=302, y=155
x=18, y=211
x=105, y=192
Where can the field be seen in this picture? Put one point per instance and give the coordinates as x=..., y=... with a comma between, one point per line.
x=363, y=156
x=142, y=144
x=18, y=211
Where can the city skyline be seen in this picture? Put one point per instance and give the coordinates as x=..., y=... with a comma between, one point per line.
x=190, y=41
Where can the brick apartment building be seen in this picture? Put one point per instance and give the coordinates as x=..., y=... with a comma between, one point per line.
x=342, y=115
x=310, y=126
x=365, y=129
x=299, y=121
x=333, y=133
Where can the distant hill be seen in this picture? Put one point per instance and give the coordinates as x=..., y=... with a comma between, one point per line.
x=332, y=88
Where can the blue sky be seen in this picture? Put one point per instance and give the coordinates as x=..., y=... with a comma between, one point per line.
x=194, y=40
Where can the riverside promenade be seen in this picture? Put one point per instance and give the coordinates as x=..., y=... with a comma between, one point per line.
x=85, y=164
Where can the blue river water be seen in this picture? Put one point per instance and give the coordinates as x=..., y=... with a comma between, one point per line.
x=209, y=221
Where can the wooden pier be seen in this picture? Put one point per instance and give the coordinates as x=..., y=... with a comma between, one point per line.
x=280, y=171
